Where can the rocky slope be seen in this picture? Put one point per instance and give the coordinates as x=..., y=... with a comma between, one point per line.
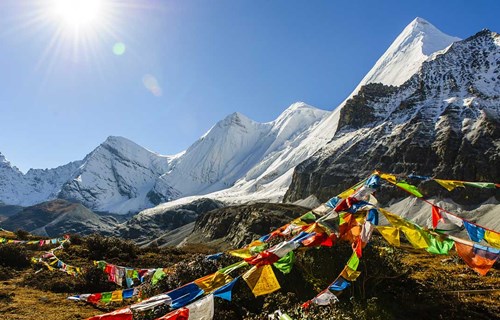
x=444, y=122
x=58, y=217
x=145, y=228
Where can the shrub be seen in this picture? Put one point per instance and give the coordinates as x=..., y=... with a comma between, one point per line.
x=14, y=256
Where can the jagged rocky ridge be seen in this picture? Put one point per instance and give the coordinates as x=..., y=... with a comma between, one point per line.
x=444, y=122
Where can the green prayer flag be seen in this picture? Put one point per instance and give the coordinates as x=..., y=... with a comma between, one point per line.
x=233, y=267
x=285, y=264
x=157, y=276
x=284, y=316
x=438, y=246
x=258, y=249
x=308, y=216
x=484, y=185
x=353, y=262
x=106, y=297
x=410, y=188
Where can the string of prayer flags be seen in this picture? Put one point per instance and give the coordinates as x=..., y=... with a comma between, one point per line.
x=261, y=280
x=122, y=314
x=475, y=232
x=39, y=242
x=492, y=238
x=476, y=257
x=213, y=281
x=179, y=314
x=225, y=292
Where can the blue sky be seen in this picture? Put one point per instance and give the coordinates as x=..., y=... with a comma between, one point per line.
x=61, y=97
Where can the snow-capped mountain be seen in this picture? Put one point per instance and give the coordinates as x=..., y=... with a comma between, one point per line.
x=444, y=122
x=242, y=151
x=237, y=160
x=116, y=177
x=36, y=186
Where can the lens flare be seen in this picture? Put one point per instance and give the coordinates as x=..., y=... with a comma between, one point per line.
x=152, y=85
x=78, y=13
x=119, y=48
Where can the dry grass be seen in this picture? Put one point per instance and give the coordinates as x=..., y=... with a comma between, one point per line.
x=22, y=303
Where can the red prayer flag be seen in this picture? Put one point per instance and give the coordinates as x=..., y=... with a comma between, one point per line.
x=94, y=298
x=179, y=314
x=122, y=314
x=263, y=258
x=436, y=216
x=357, y=246
x=480, y=264
x=315, y=240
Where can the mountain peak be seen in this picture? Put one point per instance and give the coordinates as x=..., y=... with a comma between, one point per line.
x=414, y=45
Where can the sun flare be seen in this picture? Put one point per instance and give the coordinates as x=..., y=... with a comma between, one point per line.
x=79, y=14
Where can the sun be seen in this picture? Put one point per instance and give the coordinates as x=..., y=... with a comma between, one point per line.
x=79, y=14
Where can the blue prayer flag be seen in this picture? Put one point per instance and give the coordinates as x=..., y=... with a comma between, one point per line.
x=225, y=292
x=476, y=233
x=339, y=284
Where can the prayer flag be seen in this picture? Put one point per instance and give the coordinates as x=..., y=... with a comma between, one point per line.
x=184, y=295
x=475, y=260
x=476, y=233
x=106, y=297
x=436, y=216
x=122, y=314
x=353, y=262
x=492, y=238
x=202, y=309
x=410, y=188
x=417, y=237
x=482, y=185
x=157, y=276
x=391, y=234
x=285, y=264
x=128, y=293
x=116, y=296
x=261, y=280
x=213, y=281
x=372, y=216
x=450, y=184
x=339, y=284
x=152, y=302
x=438, y=246
x=179, y=314
x=389, y=177
x=350, y=274
x=332, y=203
x=225, y=292
x=325, y=298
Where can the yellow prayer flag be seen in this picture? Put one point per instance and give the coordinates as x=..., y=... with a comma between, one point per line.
x=350, y=274
x=391, y=234
x=417, y=238
x=389, y=177
x=241, y=253
x=492, y=238
x=346, y=193
x=117, y=296
x=261, y=280
x=450, y=184
x=213, y=281
x=395, y=220
x=315, y=227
